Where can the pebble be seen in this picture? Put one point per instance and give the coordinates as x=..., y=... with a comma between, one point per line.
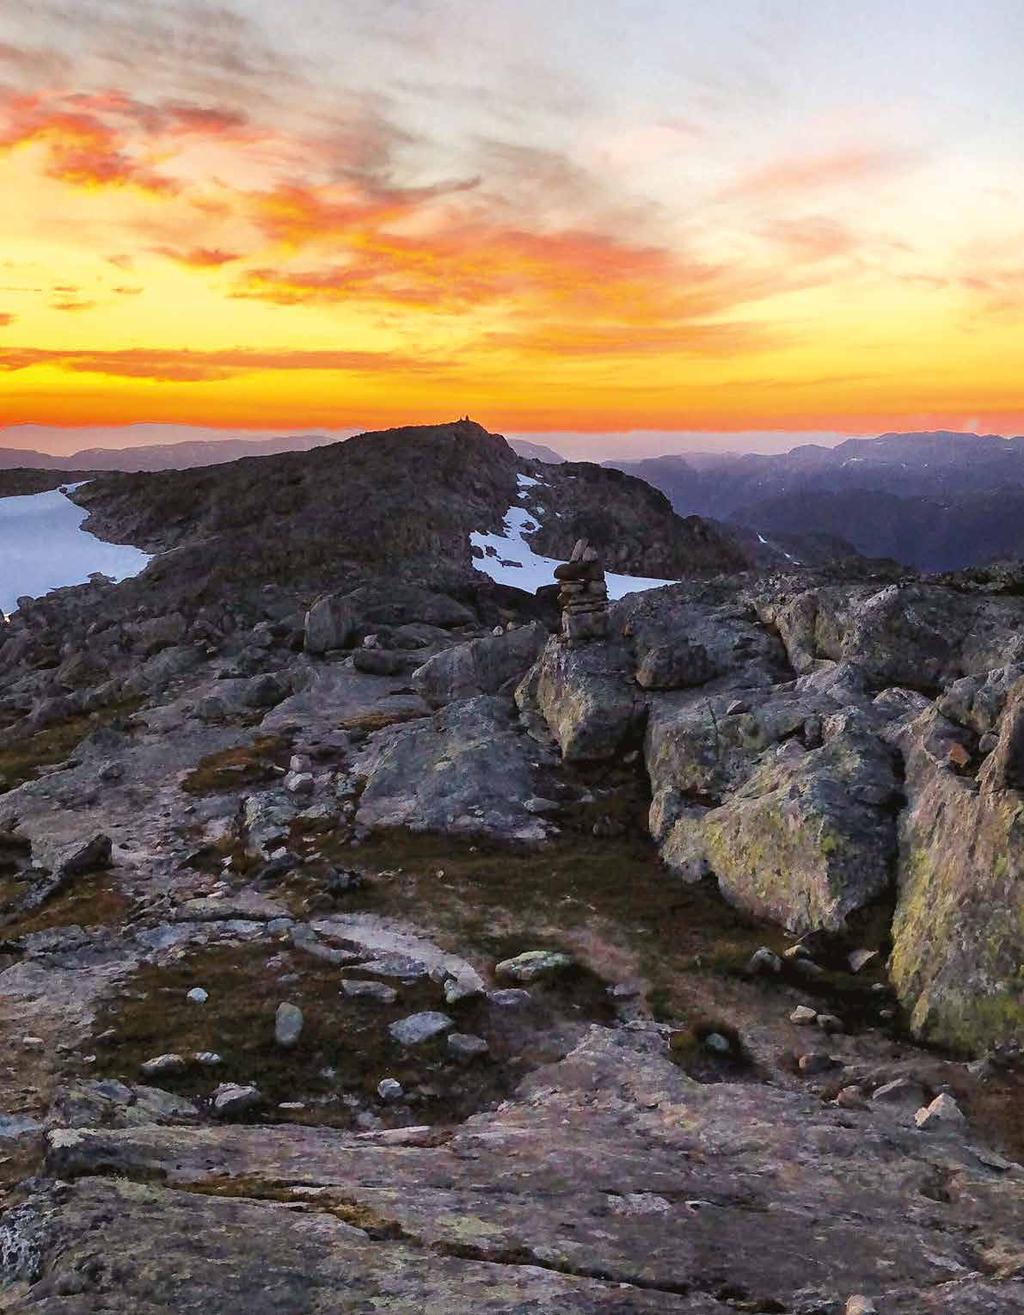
x=830, y=1023
x=390, y=1090
x=942, y=1110
x=532, y=965
x=418, y=1028
x=860, y=1305
x=511, y=997
x=161, y=1065
x=717, y=1043
x=900, y=1091
x=850, y=1098
x=208, y=1058
x=379, y=992
x=464, y=985
x=816, y=1062
x=32, y=1043
x=803, y=1015
x=233, y=1098
x=197, y=996
x=764, y=962
x=287, y=1025
x=464, y=1046
x=859, y=959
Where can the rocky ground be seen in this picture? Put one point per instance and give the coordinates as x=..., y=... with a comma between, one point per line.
x=387, y=954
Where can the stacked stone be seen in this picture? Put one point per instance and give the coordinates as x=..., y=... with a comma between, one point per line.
x=583, y=596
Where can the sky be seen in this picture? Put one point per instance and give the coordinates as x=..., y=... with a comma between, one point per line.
x=594, y=216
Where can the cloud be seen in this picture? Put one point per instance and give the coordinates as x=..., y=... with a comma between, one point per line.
x=815, y=237
x=33, y=62
x=199, y=257
x=72, y=305
x=798, y=174
x=167, y=365
x=6, y=318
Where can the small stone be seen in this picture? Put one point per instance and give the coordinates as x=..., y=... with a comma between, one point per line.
x=510, y=997
x=299, y=782
x=816, y=1061
x=207, y=1058
x=418, y=1028
x=390, y=1090
x=232, y=1098
x=858, y=959
x=32, y=1043
x=942, y=1111
x=717, y=1043
x=163, y=1065
x=900, y=1091
x=764, y=962
x=378, y=992
x=465, y=1047
x=830, y=1023
x=532, y=965
x=803, y=1015
x=794, y=952
x=464, y=985
x=290, y=1105
x=860, y=1305
x=958, y=756
x=287, y=1025
x=197, y=996
x=987, y=743
x=850, y=1098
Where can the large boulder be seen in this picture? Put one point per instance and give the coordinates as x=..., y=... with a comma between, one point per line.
x=468, y=770
x=483, y=666
x=958, y=933
x=586, y=696
x=808, y=839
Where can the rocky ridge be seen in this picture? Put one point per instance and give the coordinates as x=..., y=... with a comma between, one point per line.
x=371, y=947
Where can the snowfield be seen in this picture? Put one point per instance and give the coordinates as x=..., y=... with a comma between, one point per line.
x=508, y=559
x=43, y=547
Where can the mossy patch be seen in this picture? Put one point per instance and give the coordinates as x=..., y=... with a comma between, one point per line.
x=254, y=763
x=23, y=760
x=343, y=1052
x=92, y=900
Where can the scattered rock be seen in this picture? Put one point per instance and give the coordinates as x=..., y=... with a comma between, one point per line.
x=287, y=1025
x=533, y=965
x=390, y=1090
x=233, y=1098
x=419, y=1028
x=803, y=1015
x=900, y=1091
x=197, y=996
x=943, y=1111
x=378, y=992
x=465, y=1047
x=163, y=1066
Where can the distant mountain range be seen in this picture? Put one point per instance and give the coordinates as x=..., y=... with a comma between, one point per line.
x=936, y=501
x=184, y=454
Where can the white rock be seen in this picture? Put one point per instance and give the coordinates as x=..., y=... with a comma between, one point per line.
x=197, y=996
x=418, y=1028
x=942, y=1111
x=162, y=1065
x=232, y=1098
x=287, y=1025
x=390, y=1090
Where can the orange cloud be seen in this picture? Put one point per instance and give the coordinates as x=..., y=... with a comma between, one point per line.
x=6, y=318
x=811, y=173
x=72, y=305
x=184, y=366
x=199, y=257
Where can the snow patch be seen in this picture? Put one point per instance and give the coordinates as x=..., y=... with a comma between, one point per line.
x=508, y=559
x=43, y=547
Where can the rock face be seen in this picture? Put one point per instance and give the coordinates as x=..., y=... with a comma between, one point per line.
x=958, y=934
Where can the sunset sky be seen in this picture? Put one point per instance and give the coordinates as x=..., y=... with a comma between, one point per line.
x=572, y=215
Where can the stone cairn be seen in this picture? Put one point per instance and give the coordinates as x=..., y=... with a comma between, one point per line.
x=583, y=596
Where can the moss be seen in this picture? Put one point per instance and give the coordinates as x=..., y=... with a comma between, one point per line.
x=249, y=764
x=92, y=900
x=21, y=762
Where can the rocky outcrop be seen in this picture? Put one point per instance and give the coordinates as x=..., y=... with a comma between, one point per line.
x=483, y=666
x=958, y=933
x=339, y=620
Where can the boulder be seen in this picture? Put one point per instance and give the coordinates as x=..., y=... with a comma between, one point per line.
x=466, y=770
x=336, y=620
x=483, y=666
x=809, y=839
x=586, y=697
